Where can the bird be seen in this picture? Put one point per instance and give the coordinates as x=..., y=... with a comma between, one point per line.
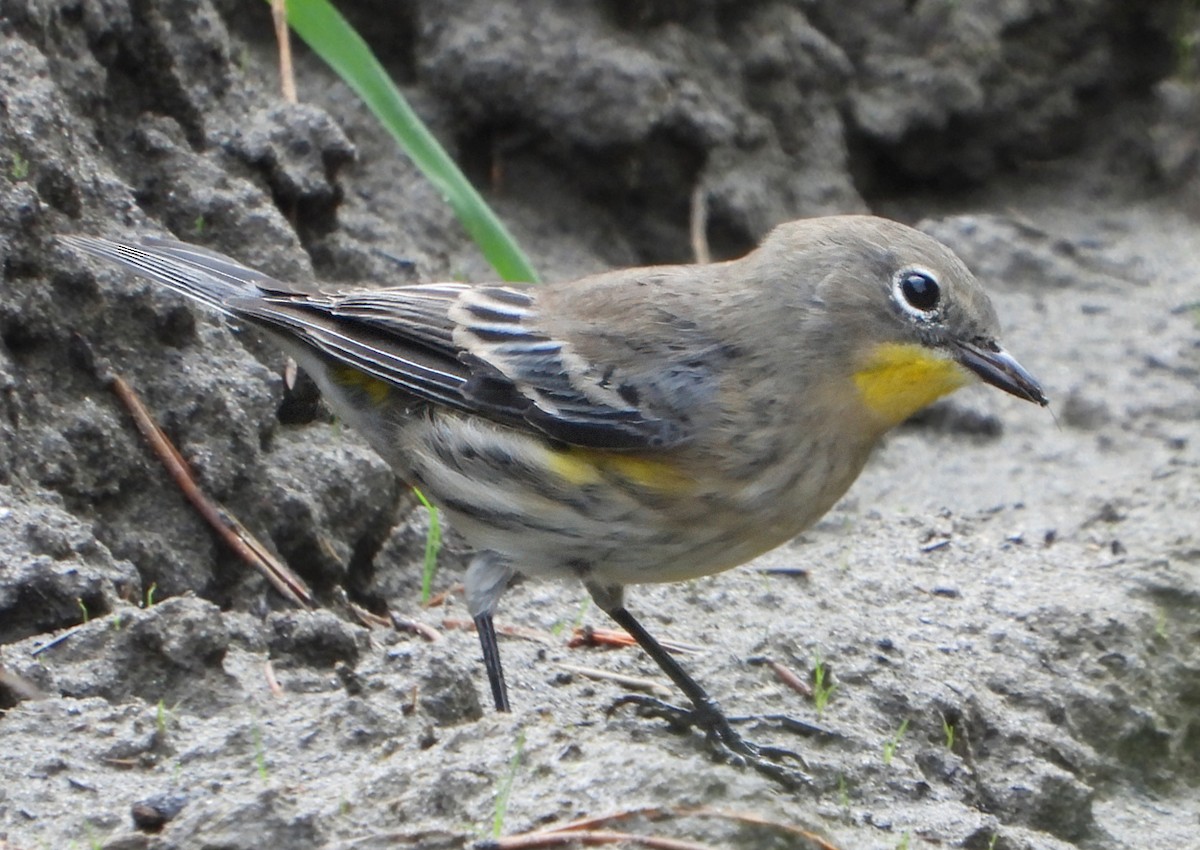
x=641, y=425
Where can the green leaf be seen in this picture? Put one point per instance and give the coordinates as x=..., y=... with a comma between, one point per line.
x=333, y=39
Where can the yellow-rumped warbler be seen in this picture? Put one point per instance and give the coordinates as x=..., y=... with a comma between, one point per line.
x=645, y=425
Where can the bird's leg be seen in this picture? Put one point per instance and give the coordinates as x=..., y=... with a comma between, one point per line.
x=705, y=712
x=491, y=659
x=486, y=578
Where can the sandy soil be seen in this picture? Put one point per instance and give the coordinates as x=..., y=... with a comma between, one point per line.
x=1008, y=601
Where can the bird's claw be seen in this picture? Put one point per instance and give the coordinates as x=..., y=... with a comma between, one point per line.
x=726, y=743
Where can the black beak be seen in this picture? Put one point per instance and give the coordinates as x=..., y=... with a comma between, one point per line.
x=997, y=367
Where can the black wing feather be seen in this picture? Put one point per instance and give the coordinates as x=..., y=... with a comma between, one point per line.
x=477, y=349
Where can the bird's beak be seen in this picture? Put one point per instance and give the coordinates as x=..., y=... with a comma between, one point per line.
x=997, y=367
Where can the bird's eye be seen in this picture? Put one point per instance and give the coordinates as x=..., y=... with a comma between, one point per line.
x=919, y=290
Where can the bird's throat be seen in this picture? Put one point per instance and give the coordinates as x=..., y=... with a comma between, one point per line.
x=896, y=380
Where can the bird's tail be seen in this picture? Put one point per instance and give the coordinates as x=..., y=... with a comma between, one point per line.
x=198, y=273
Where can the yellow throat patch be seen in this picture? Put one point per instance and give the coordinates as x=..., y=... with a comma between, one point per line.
x=899, y=379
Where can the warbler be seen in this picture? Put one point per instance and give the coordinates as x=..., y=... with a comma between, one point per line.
x=644, y=425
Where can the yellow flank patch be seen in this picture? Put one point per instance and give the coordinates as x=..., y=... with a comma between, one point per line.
x=898, y=379
x=353, y=379
x=592, y=466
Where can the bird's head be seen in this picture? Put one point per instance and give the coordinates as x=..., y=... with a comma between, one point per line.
x=898, y=314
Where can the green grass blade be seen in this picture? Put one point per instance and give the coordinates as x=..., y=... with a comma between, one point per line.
x=504, y=789
x=333, y=39
x=433, y=545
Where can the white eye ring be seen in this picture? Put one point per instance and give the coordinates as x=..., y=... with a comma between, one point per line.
x=918, y=293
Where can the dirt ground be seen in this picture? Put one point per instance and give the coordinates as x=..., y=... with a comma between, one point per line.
x=1007, y=602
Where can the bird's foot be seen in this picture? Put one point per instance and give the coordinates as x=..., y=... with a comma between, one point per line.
x=726, y=743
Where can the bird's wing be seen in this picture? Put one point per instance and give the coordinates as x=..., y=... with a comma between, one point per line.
x=477, y=349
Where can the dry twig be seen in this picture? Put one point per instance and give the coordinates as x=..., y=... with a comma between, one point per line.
x=786, y=675
x=273, y=685
x=588, y=838
x=235, y=535
x=415, y=627
x=440, y=598
x=535, y=635
x=634, y=683
x=699, y=224
x=655, y=813
x=287, y=74
x=590, y=636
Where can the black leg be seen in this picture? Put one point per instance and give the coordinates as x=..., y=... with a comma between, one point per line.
x=706, y=714
x=690, y=687
x=491, y=659
x=486, y=578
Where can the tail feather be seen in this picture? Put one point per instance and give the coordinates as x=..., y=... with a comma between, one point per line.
x=198, y=273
